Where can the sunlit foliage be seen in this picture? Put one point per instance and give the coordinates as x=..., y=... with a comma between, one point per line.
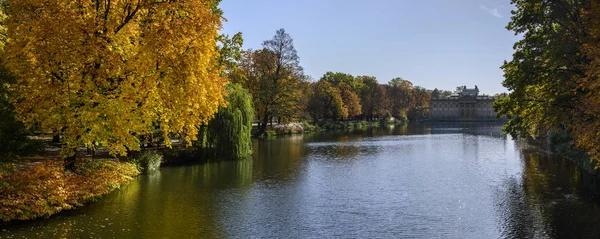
x=45, y=189
x=540, y=75
x=105, y=72
x=326, y=102
x=554, y=73
x=274, y=77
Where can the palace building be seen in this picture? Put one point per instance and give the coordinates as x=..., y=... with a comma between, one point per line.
x=467, y=105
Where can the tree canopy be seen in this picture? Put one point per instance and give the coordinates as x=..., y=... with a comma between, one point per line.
x=553, y=76
x=228, y=135
x=106, y=72
x=273, y=76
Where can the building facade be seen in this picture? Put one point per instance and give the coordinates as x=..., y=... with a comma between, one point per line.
x=466, y=106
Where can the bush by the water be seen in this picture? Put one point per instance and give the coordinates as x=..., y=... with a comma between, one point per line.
x=289, y=128
x=270, y=133
x=361, y=124
x=148, y=162
x=348, y=125
x=310, y=127
x=43, y=189
x=401, y=118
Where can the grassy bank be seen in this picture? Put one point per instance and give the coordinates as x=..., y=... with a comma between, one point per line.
x=44, y=188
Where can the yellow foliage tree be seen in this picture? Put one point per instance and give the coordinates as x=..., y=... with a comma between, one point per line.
x=105, y=72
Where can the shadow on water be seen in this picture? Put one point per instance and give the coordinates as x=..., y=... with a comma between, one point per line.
x=551, y=199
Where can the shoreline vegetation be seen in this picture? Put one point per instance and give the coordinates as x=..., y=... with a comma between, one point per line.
x=43, y=188
x=305, y=127
x=37, y=186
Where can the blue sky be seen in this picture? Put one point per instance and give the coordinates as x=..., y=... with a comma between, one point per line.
x=432, y=43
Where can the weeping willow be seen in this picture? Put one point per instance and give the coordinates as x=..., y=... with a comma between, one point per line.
x=228, y=135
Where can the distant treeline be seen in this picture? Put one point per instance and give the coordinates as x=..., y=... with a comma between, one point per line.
x=282, y=91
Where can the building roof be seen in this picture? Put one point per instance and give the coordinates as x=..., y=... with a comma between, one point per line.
x=469, y=92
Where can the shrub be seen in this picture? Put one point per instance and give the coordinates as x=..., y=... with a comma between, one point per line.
x=402, y=118
x=270, y=133
x=43, y=189
x=361, y=124
x=334, y=125
x=289, y=128
x=148, y=162
x=309, y=127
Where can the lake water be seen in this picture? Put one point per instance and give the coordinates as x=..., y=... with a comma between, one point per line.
x=416, y=181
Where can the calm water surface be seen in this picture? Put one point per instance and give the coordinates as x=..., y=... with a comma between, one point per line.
x=416, y=181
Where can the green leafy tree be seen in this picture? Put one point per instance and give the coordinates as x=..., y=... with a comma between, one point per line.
x=545, y=62
x=230, y=52
x=435, y=93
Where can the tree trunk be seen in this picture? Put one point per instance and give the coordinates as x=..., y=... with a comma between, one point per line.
x=56, y=139
x=262, y=127
x=70, y=163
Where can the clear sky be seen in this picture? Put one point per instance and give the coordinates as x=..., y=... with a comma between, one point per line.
x=432, y=43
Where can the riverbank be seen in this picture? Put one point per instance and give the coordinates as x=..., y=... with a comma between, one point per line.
x=305, y=127
x=561, y=144
x=43, y=188
x=384, y=176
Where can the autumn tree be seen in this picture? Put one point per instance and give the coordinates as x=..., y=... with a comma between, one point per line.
x=382, y=101
x=402, y=94
x=273, y=76
x=13, y=138
x=350, y=99
x=553, y=77
x=545, y=62
x=368, y=95
x=585, y=127
x=337, y=78
x=326, y=102
x=105, y=72
x=13, y=135
x=420, y=106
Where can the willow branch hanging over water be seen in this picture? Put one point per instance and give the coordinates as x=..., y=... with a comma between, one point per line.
x=228, y=135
